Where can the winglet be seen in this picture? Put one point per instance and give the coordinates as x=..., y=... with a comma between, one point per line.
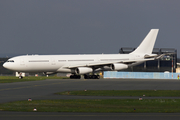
x=147, y=45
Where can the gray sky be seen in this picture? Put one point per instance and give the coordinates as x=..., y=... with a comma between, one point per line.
x=85, y=26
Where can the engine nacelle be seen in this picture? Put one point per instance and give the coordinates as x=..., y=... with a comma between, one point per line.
x=83, y=70
x=118, y=66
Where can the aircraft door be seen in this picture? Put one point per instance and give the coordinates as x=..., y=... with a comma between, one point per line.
x=22, y=62
x=53, y=61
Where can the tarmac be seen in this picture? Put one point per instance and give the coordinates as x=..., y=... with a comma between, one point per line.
x=39, y=90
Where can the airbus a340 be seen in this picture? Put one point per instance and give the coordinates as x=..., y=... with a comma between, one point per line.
x=79, y=65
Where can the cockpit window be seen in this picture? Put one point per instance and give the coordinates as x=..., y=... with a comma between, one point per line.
x=10, y=61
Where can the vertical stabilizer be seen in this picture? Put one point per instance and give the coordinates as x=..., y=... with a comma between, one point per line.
x=147, y=45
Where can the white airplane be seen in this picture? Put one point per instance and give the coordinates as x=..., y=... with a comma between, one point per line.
x=84, y=64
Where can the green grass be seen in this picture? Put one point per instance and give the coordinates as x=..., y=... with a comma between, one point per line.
x=10, y=79
x=97, y=105
x=147, y=93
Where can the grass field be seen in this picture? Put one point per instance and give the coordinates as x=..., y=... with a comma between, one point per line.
x=97, y=105
x=10, y=79
x=147, y=93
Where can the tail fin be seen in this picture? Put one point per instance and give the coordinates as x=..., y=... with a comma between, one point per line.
x=147, y=45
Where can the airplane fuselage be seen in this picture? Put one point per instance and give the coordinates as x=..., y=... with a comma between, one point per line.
x=60, y=63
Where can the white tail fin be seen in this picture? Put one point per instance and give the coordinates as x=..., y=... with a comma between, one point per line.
x=147, y=45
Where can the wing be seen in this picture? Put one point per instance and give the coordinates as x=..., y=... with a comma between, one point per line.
x=98, y=64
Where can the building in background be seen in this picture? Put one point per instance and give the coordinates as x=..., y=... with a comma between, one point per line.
x=178, y=68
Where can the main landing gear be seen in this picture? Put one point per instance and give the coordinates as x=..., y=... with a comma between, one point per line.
x=75, y=77
x=85, y=77
x=91, y=77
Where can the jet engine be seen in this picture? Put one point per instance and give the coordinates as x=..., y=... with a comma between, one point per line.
x=83, y=70
x=118, y=66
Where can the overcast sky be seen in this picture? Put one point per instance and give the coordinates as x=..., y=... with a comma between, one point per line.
x=85, y=26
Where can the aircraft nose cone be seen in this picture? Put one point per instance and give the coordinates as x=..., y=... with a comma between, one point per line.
x=8, y=66
x=5, y=65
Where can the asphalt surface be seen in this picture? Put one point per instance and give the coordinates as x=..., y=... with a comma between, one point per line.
x=87, y=116
x=37, y=90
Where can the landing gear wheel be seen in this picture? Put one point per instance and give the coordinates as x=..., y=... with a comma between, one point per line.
x=20, y=77
x=91, y=77
x=85, y=76
x=75, y=77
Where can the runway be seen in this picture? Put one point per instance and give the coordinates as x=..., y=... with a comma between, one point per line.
x=87, y=116
x=45, y=90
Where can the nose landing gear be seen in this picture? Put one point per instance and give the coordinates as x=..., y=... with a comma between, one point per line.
x=20, y=75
